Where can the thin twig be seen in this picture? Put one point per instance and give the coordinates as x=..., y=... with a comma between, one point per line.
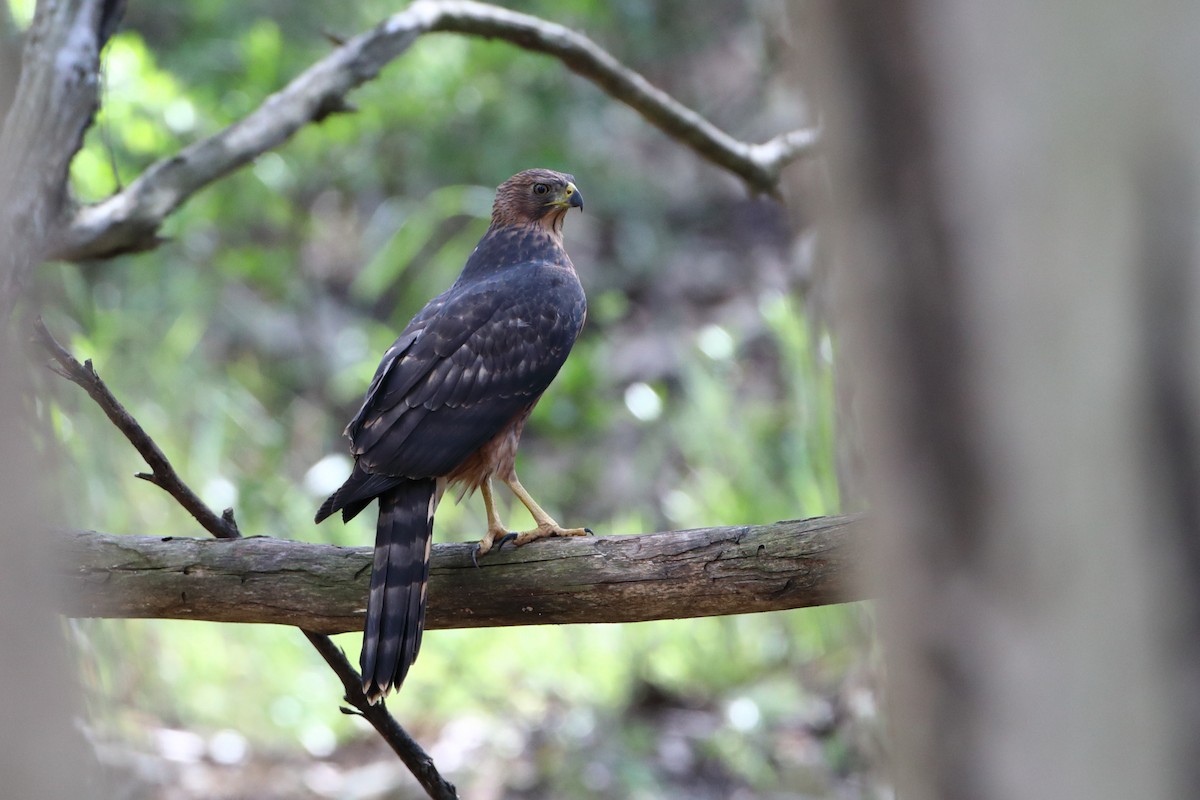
x=162, y=474
x=416, y=759
x=129, y=220
x=223, y=527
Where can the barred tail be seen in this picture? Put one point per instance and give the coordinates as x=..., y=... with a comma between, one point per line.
x=396, y=605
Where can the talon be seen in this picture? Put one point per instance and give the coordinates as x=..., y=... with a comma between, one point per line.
x=508, y=537
x=588, y=531
x=475, y=555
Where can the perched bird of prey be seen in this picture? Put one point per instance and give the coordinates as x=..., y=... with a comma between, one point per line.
x=448, y=404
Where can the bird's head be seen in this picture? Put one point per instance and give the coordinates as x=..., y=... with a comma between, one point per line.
x=536, y=196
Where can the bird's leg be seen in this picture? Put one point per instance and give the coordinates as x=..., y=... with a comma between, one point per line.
x=495, y=528
x=546, y=526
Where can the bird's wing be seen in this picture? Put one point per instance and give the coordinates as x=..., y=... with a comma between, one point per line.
x=465, y=369
x=391, y=381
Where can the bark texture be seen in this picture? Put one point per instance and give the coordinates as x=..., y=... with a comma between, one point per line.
x=322, y=588
x=55, y=99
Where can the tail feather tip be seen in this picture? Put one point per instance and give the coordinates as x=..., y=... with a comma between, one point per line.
x=324, y=511
x=374, y=693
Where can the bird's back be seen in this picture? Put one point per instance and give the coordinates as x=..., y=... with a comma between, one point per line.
x=465, y=369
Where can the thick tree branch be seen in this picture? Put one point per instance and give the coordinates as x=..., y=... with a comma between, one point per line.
x=129, y=220
x=704, y=572
x=55, y=99
x=224, y=528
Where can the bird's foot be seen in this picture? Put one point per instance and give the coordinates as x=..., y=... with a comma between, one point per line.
x=495, y=537
x=498, y=537
x=546, y=530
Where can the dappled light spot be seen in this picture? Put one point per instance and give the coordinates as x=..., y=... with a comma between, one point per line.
x=743, y=714
x=273, y=170
x=715, y=342
x=176, y=745
x=227, y=747
x=180, y=115
x=327, y=475
x=220, y=492
x=319, y=740
x=680, y=507
x=643, y=402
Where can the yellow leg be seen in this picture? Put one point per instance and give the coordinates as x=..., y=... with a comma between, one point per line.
x=495, y=527
x=546, y=526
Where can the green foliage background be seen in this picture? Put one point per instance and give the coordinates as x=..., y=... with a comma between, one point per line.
x=699, y=394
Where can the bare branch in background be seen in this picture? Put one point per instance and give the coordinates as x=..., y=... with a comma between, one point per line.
x=83, y=375
x=409, y=751
x=162, y=474
x=129, y=220
x=758, y=165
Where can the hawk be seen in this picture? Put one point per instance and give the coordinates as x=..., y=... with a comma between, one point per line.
x=449, y=401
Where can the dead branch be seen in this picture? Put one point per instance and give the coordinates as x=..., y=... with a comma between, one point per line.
x=129, y=220
x=225, y=529
x=162, y=474
x=757, y=164
x=407, y=748
x=704, y=572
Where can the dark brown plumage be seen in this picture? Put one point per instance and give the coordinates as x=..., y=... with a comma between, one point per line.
x=448, y=404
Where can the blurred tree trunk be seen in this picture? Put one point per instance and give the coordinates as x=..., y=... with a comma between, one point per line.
x=44, y=108
x=1014, y=217
x=10, y=58
x=42, y=754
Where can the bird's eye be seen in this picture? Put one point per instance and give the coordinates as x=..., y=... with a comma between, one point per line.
x=540, y=188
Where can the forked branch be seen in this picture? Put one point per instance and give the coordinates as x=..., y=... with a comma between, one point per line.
x=129, y=220
x=223, y=527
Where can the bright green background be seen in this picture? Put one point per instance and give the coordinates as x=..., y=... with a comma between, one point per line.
x=699, y=393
